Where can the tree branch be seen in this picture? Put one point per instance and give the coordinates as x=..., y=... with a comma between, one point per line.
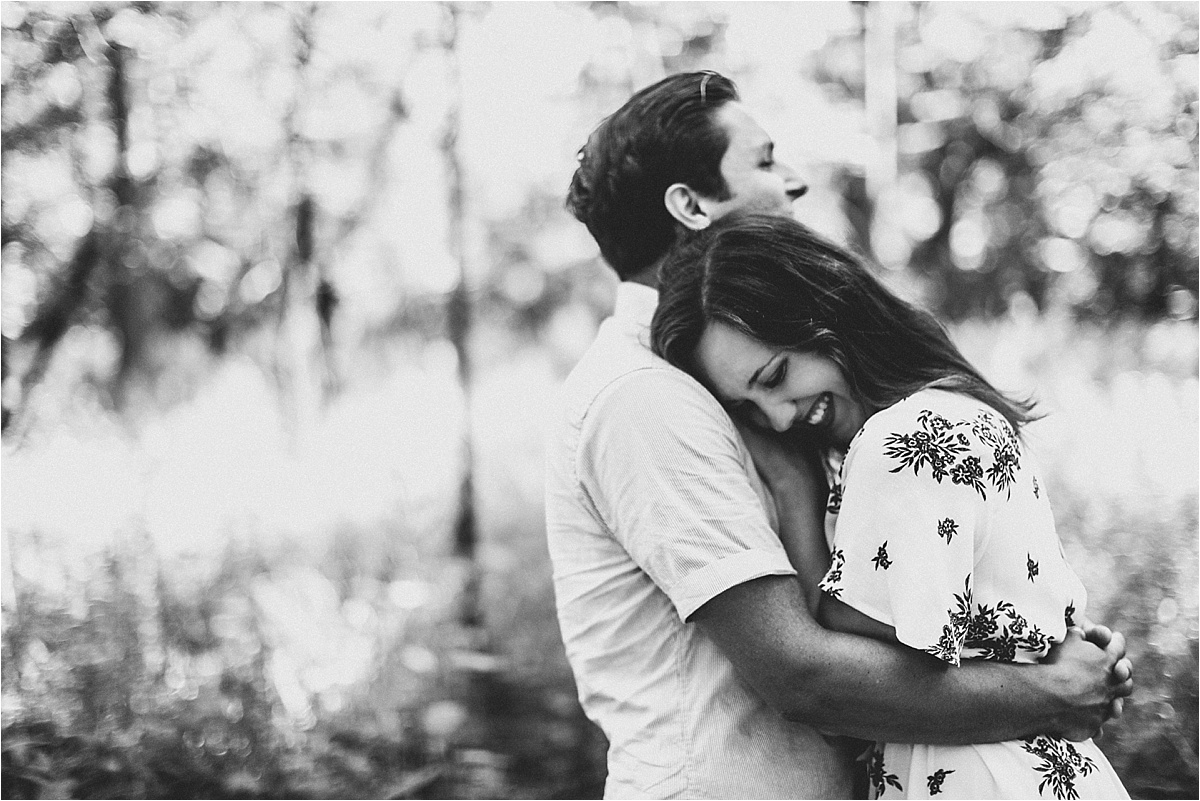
x=40, y=132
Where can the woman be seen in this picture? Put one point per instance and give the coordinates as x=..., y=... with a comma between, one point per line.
x=942, y=538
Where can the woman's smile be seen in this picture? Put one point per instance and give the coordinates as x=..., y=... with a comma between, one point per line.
x=822, y=412
x=777, y=388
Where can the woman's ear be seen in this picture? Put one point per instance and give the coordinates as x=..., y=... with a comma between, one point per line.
x=683, y=203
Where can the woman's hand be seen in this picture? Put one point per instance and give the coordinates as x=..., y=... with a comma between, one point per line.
x=797, y=483
x=785, y=464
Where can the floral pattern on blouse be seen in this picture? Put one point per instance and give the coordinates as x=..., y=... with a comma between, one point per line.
x=1061, y=763
x=878, y=775
x=952, y=470
x=941, y=531
x=944, y=446
x=834, y=503
x=936, y=779
x=837, y=560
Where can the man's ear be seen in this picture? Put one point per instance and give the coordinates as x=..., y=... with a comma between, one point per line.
x=684, y=204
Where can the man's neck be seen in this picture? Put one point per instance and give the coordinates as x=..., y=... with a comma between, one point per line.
x=647, y=277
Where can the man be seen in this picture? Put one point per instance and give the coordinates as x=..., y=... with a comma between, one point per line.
x=685, y=623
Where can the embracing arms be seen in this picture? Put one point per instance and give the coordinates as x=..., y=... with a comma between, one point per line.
x=665, y=474
x=867, y=685
x=848, y=684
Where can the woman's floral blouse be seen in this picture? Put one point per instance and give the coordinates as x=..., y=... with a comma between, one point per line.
x=939, y=528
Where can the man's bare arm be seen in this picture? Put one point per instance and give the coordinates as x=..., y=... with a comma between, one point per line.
x=845, y=684
x=900, y=695
x=835, y=615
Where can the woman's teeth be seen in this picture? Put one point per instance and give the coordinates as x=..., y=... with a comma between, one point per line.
x=817, y=414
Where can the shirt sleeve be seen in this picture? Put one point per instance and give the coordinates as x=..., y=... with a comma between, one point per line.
x=661, y=463
x=904, y=539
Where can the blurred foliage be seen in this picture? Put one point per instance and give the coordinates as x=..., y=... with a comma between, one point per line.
x=1045, y=150
x=199, y=172
x=1118, y=452
x=163, y=171
x=250, y=251
x=106, y=701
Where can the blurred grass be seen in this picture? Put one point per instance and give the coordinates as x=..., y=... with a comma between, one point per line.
x=150, y=650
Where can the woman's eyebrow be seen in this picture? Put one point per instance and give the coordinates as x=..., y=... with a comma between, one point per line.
x=754, y=378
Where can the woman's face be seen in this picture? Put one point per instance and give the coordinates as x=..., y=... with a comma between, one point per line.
x=779, y=389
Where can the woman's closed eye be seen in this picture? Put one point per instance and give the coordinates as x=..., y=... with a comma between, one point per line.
x=776, y=376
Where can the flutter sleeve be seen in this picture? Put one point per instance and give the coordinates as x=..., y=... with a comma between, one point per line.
x=904, y=539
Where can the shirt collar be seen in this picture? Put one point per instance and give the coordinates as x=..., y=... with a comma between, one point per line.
x=635, y=303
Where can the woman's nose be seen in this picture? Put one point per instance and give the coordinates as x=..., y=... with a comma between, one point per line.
x=779, y=416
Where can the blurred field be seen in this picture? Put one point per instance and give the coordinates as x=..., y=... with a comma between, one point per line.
x=222, y=603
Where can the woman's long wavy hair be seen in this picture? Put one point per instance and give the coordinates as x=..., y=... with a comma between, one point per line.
x=784, y=285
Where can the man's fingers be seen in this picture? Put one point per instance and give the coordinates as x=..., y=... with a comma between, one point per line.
x=1116, y=646
x=1116, y=708
x=1123, y=670
x=1076, y=735
x=1097, y=635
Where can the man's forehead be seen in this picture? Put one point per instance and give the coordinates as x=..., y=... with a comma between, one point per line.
x=744, y=130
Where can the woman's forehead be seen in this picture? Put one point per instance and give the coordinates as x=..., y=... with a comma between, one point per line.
x=729, y=359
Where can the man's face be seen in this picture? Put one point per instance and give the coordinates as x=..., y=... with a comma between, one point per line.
x=757, y=183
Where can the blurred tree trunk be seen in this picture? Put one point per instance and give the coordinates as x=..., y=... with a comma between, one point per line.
x=31, y=355
x=459, y=315
x=305, y=312
x=53, y=317
x=134, y=308
x=880, y=96
x=124, y=300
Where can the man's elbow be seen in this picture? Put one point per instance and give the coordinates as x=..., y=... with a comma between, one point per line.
x=798, y=709
x=802, y=698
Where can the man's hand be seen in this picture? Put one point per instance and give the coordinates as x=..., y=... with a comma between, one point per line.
x=1090, y=682
x=1104, y=637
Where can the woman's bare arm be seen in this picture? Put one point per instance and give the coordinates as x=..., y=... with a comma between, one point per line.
x=798, y=485
x=837, y=616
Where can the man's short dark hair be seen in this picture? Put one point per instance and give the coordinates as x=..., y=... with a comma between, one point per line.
x=665, y=134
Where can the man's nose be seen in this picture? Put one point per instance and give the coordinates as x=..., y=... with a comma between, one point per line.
x=793, y=184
